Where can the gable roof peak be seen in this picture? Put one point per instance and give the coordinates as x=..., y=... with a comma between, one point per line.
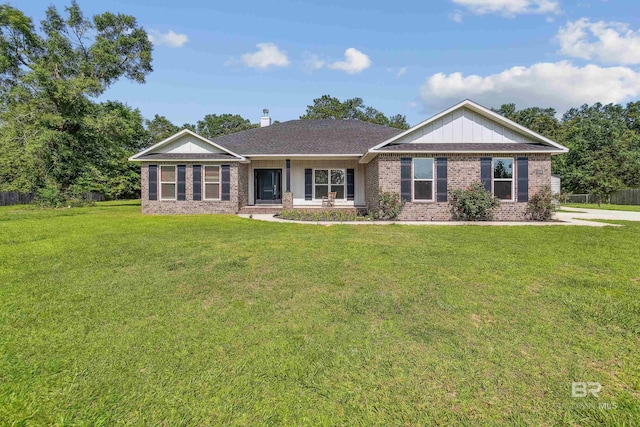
x=178, y=135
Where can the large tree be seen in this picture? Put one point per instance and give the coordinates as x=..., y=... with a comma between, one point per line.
x=540, y=120
x=160, y=128
x=213, y=125
x=51, y=125
x=329, y=107
x=603, y=142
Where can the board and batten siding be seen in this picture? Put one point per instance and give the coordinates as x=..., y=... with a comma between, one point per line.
x=297, y=178
x=188, y=144
x=463, y=126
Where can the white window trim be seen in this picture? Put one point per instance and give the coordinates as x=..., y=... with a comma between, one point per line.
x=329, y=181
x=512, y=179
x=433, y=181
x=204, y=182
x=175, y=182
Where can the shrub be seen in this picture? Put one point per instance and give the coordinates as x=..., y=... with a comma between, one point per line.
x=473, y=203
x=318, y=215
x=52, y=197
x=389, y=205
x=541, y=205
x=49, y=197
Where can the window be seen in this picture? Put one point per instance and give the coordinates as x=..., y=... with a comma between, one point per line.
x=329, y=180
x=423, y=179
x=167, y=182
x=503, y=179
x=211, y=182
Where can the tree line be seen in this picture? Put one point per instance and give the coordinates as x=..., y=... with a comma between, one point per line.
x=56, y=138
x=603, y=142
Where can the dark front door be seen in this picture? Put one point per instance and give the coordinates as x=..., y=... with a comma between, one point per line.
x=268, y=185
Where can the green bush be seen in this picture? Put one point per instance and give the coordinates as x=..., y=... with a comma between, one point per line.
x=49, y=197
x=318, y=215
x=389, y=205
x=473, y=203
x=541, y=206
x=52, y=196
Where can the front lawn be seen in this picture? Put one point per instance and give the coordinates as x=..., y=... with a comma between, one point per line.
x=109, y=317
x=605, y=206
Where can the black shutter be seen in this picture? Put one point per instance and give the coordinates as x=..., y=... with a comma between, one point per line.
x=441, y=179
x=405, y=178
x=197, y=182
x=225, y=182
x=523, y=179
x=182, y=184
x=288, y=175
x=351, y=187
x=308, y=185
x=153, y=182
x=485, y=172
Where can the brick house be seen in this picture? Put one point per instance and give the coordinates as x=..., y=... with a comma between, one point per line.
x=296, y=163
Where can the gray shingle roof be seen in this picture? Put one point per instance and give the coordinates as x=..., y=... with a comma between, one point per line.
x=308, y=137
x=468, y=146
x=188, y=156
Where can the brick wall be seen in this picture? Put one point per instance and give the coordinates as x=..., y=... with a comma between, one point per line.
x=190, y=206
x=462, y=170
x=243, y=185
x=372, y=183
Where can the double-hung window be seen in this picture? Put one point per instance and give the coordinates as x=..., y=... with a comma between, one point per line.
x=167, y=182
x=423, y=179
x=503, y=178
x=329, y=180
x=211, y=182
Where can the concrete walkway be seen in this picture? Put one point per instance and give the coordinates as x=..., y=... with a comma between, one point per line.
x=562, y=218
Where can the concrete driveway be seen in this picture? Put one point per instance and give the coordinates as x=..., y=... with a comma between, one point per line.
x=587, y=214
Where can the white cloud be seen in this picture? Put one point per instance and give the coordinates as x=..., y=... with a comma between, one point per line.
x=607, y=42
x=266, y=56
x=456, y=16
x=354, y=62
x=169, y=38
x=313, y=62
x=401, y=72
x=560, y=85
x=510, y=7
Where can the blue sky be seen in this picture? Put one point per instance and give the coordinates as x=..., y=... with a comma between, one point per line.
x=409, y=57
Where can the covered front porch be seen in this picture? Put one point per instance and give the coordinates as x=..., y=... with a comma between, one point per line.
x=304, y=182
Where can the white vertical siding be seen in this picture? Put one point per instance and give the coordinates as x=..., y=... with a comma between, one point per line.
x=188, y=144
x=463, y=125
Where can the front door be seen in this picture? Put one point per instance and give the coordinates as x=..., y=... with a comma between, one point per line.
x=267, y=186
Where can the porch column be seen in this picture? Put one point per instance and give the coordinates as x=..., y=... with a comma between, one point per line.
x=288, y=175
x=287, y=197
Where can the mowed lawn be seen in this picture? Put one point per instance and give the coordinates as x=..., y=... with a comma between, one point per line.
x=109, y=317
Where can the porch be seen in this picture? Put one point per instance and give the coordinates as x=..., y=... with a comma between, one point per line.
x=307, y=180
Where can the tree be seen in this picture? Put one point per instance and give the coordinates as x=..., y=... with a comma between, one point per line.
x=540, y=120
x=49, y=81
x=213, y=125
x=328, y=107
x=160, y=128
x=604, y=153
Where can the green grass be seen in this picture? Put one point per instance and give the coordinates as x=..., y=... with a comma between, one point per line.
x=108, y=317
x=629, y=208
